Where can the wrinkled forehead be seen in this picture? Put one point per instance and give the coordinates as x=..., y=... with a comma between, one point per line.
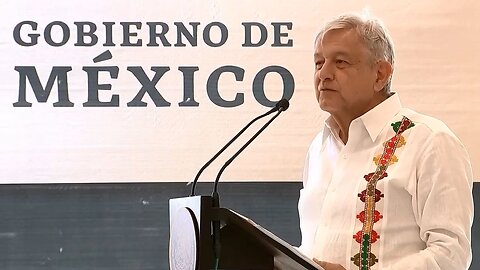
x=337, y=26
x=336, y=33
x=341, y=42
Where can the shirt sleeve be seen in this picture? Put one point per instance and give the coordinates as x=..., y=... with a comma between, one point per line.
x=443, y=206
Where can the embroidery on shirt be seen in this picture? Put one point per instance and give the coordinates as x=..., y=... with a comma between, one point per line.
x=371, y=195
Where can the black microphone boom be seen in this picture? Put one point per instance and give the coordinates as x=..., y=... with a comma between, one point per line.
x=282, y=105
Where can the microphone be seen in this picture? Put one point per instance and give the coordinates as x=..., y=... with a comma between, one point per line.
x=282, y=105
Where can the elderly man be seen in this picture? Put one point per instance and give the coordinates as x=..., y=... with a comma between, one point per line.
x=384, y=187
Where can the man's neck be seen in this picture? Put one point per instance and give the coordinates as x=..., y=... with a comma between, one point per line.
x=343, y=125
x=344, y=120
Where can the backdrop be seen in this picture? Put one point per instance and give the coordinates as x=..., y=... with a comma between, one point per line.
x=116, y=91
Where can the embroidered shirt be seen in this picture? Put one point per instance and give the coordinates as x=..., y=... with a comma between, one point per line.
x=416, y=214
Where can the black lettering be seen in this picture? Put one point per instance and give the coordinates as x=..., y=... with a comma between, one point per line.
x=108, y=34
x=58, y=73
x=127, y=34
x=94, y=86
x=277, y=34
x=82, y=33
x=259, y=85
x=212, y=86
x=223, y=34
x=48, y=33
x=33, y=37
x=183, y=32
x=248, y=34
x=188, y=87
x=154, y=35
x=148, y=86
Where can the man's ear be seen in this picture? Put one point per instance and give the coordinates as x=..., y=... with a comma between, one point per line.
x=384, y=72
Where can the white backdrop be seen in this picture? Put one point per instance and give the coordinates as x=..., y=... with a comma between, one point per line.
x=436, y=73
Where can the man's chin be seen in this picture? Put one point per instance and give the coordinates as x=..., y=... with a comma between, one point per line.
x=325, y=106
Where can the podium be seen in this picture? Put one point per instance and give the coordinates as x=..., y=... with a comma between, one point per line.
x=242, y=243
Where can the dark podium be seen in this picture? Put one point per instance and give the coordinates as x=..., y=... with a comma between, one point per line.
x=239, y=244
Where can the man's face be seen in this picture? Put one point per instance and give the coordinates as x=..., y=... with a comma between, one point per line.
x=345, y=74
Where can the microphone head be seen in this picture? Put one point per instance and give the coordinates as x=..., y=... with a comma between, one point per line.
x=282, y=105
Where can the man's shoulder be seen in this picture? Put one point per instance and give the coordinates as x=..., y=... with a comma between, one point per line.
x=318, y=140
x=427, y=126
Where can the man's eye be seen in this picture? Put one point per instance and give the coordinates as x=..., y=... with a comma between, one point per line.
x=318, y=64
x=341, y=64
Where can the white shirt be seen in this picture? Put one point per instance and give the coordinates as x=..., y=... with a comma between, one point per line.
x=425, y=204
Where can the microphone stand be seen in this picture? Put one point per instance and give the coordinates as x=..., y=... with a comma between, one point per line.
x=194, y=183
x=215, y=187
x=216, y=197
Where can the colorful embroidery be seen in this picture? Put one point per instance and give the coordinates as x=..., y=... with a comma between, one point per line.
x=371, y=195
x=382, y=160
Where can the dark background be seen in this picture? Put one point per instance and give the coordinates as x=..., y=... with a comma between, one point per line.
x=126, y=226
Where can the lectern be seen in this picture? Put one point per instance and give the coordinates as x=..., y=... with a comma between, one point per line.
x=243, y=244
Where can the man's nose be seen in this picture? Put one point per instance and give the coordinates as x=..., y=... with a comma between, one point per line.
x=327, y=72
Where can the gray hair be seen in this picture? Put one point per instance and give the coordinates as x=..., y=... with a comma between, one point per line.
x=373, y=34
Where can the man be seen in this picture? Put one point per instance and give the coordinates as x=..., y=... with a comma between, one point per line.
x=384, y=187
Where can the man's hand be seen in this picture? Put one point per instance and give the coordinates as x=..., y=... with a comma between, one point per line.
x=329, y=266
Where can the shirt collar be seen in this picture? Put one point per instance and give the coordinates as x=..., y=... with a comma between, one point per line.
x=373, y=121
